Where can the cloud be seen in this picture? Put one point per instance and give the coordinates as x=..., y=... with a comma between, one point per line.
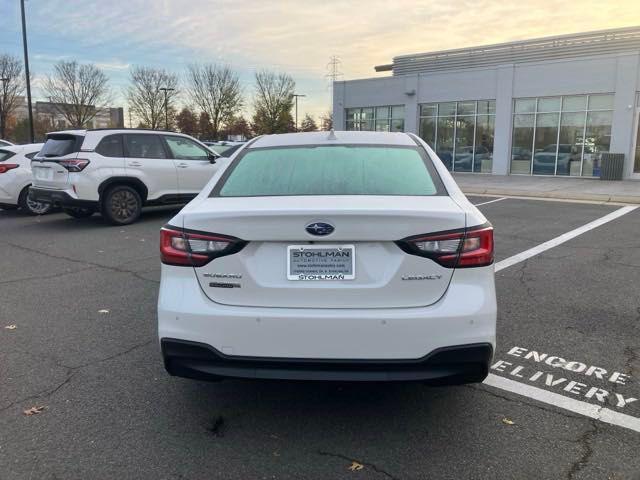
x=300, y=36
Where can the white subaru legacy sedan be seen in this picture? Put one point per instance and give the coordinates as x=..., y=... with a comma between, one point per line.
x=347, y=256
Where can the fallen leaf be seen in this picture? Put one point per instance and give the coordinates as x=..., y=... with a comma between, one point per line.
x=10, y=327
x=355, y=466
x=104, y=310
x=507, y=421
x=34, y=410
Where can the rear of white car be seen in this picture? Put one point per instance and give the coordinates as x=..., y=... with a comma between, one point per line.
x=322, y=257
x=16, y=177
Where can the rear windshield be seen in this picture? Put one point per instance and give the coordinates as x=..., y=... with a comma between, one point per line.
x=60, y=145
x=330, y=170
x=4, y=154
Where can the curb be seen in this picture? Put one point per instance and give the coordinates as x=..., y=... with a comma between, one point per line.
x=591, y=197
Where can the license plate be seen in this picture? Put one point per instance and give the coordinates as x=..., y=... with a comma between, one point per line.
x=43, y=173
x=321, y=262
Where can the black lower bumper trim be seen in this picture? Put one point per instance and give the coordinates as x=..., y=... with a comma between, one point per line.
x=58, y=198
x=444, y=366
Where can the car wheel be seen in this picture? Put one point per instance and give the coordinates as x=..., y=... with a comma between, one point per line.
x=78, y=212
x=121, y=205
x=30, y=207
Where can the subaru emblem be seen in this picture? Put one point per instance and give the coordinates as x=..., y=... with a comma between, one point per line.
x=319, y=228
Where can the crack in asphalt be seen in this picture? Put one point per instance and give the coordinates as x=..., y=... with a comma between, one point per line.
x=85, y=263
x=71, y=372
x=362, y=462
x=584, y=440
x=523, y=403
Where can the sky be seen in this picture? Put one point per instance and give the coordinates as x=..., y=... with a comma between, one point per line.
x=296, y=37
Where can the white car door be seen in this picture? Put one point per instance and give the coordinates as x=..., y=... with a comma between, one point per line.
x=193, y=163
x=147, y=159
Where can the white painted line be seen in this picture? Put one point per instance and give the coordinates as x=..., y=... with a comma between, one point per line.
x=602, y=414
x=565, y=237
x=490, y=201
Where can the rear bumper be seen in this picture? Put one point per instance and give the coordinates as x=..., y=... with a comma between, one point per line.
x=444, y=366
x=59, y=198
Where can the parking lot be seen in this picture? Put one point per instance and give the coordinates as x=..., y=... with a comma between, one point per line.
x=82, y=297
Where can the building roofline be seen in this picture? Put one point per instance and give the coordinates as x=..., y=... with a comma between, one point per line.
x=530, y=41
x=573, y=45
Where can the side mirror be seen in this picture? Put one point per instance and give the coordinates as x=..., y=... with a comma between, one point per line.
x=213, y=157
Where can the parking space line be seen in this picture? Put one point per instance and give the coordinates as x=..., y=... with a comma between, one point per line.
x=602, y=414
x=565, y=237
x=490, y=201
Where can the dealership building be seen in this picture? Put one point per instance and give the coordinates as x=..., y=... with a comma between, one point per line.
x=549, y=106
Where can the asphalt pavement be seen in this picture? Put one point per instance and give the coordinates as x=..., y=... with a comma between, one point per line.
x=82, y=297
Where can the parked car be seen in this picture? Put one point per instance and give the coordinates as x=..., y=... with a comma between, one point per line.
x=544, y=160
x=5, y=143
x=119, y=171
x=15, y=179
x=352, y=256
x=225, y=149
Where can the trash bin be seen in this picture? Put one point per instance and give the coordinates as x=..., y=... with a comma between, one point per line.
x=612, y=166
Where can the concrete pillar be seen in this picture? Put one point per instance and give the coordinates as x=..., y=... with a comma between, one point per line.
x=626, y=76
x=504, y=110
x=338, y=106
x=411, y=104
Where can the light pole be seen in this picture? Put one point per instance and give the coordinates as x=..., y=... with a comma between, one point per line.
x=26, y=71
x=296, y=95
x=166, y=115
x=4, y=81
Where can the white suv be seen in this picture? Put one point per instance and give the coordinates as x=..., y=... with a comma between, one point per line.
x=118, y=171
x=346, y=256
x=15, y=178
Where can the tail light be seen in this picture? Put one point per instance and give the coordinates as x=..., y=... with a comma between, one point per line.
x=5, y=167
x=472, y=247
x=185, y=248
x=74, y=165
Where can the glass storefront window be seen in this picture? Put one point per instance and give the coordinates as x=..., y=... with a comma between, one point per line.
x=428, y=130
x=483, y=154
x=429, y=110
x=546, y=142
x=381, y=119
x=550, y=104
x=487, y=107
x=382, y=112
x=447, y=108
x=576, y=103
x=601, y=102
x=463, y=161
x=444, y=140
x=525, y=105
x=466, y=108
x=521, y=143
x=596, y=141
x=570, y=143
x=461, y=133
x=568, y=134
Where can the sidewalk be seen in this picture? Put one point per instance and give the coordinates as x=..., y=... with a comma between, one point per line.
x=625, y=191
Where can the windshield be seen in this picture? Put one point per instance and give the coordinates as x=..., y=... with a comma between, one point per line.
x=4, y=154
x=59, y=146
x=330, y=170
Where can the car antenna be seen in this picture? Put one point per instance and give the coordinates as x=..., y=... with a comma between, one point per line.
x=332, y=135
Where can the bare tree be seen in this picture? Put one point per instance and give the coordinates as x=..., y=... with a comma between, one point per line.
x=12, y=84
x=145, y=98
x=78, y=92
x=216, y=91
x=273, y=100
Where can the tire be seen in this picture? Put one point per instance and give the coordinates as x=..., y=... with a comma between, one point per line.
x=78, y=212
x=121, y=205
x=30, y=207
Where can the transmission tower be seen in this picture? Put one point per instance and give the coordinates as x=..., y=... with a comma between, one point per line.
x=334, y=73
